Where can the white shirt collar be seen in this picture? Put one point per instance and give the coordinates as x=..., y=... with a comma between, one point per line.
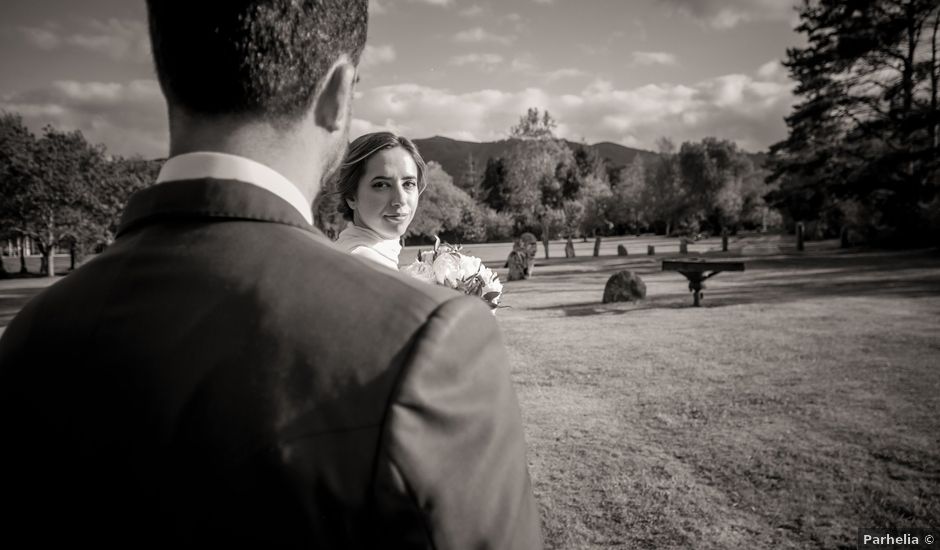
x=233, y=167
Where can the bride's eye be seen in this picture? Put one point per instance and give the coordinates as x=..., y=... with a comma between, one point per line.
x=410, y=184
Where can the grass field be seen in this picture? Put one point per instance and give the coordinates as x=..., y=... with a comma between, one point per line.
x=801, y=403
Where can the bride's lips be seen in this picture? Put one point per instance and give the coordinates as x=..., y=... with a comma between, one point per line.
x=396, y=217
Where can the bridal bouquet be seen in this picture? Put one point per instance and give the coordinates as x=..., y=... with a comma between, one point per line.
x=447, y=266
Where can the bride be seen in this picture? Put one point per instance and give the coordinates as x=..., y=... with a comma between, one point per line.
x=379, y=183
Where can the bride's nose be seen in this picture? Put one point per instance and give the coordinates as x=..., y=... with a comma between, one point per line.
x=398, y=198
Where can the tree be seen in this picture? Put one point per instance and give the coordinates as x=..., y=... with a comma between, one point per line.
x=866, y=127
x=532, y=189
x=17, y=145
x=530, y=178
x=586, y=163
x=445, y=210
x=597, y=199
x=61, y=177
x=470, y=177
x=122, y=178
x=663, y=195
x=533, y=126
x=712, y=175
x=493, y=191
x=627, y=207
x=573, y=211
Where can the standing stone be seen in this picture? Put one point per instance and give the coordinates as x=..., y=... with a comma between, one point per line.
x=624, y=286
x=527, y=245
x=799, y=236
x=569, y=249
x=621, y=250
x=518, y=266
x=597, y=247
x=650, y=250
x=683, y=246
x=724, y=242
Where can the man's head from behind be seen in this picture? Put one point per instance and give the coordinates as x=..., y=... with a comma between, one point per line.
x=251, y=57
x=255, y=60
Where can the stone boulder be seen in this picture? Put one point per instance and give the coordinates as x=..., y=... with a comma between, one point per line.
x=624, y=286
x=621, y=250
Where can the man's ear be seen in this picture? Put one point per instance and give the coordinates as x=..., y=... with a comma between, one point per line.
x=333, y=102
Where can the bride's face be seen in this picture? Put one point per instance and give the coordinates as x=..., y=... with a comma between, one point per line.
x=387, y=196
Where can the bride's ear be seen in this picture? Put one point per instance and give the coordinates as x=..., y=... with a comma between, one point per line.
x=351, y=203
x=333, y=103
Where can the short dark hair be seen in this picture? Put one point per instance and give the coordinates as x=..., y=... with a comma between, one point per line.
x=262, y=58
x=357, y=156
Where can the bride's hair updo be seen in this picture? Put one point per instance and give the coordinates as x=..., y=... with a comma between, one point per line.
x=358, y=154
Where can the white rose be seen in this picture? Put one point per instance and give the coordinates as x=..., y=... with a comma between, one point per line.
x=420, y=270
x=469, y=266
x=446, y=267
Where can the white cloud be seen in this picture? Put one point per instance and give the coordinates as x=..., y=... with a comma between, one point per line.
x=479, y=34
x=44, y=39
x=128, y=118
x=375, y=55
x=728, y=18
x=560, y=74
x=523, y=63
x=593, y=50
x=513, y=20
x=746, y=109
x=726, y=14
x=472, y=11
x=654, y=58
x=377, y=8
x=772, y=70
x=485, y=61
x=749, y=109
x=359, y=127
x=544, y=2
x=119, y=39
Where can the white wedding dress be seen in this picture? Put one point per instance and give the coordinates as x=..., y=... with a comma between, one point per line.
x=368, y=244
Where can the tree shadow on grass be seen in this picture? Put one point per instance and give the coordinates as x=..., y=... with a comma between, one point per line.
x=774, y=280
x=585, y=309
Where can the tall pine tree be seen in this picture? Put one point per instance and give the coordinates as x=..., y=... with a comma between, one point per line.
x=866, y=126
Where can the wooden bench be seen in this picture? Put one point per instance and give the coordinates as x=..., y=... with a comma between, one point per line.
x=697, y=270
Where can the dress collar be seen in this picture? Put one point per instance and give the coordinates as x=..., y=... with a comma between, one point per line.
x=355, y=235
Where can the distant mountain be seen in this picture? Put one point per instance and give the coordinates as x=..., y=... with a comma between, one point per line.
x=452, y=154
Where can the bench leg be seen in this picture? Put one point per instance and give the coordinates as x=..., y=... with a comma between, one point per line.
x=696, y=285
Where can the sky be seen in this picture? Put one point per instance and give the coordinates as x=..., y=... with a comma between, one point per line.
x=623, y=71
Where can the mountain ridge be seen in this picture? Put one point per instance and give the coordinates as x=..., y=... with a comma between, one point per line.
x=452, y=154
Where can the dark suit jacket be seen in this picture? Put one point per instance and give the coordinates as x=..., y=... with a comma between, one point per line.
x=221, y=375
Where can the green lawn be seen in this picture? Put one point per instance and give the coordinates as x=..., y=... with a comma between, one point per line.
x=801, y=403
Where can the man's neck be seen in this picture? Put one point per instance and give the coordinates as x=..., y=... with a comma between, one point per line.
x=290, y=152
